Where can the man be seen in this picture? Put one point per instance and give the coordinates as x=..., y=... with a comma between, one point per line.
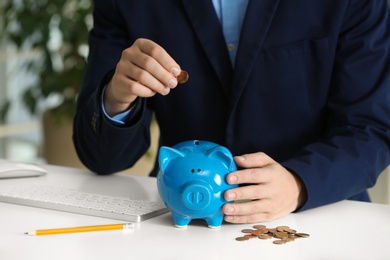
x=300, y=93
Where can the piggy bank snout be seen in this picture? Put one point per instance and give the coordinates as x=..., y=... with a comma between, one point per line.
x=196, y=195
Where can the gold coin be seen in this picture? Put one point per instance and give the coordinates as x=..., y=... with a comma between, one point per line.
x=264, y=236
x=272, y=230
x=281, y=234
x=250, y=236
x=279, y=242
x=183, y=77
x=291, y=231
x=302, y=235
x=258, y=232
x=259, y=226
x=242, y=238
x=282, y=228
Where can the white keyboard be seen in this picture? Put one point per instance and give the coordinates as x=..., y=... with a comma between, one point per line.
x=83, y=203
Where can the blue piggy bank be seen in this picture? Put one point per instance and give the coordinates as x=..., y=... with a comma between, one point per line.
x=191, y=181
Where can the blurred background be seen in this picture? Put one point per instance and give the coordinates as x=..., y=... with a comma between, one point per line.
x=43, y=51
x=43, y=57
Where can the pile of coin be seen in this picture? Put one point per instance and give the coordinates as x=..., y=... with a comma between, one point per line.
x=281, y=234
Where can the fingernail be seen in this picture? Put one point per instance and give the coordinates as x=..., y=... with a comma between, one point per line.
x=175, y=72
x=232, y=178
x=229, y=209
x=172, y=83
x=231, y=196
x=228, y=218
x=241, y=158
x=166, y=91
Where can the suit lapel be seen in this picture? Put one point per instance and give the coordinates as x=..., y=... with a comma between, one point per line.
x=258, y=18
x=205, y=22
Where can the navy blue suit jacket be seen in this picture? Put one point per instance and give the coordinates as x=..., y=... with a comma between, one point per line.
x=310, y=87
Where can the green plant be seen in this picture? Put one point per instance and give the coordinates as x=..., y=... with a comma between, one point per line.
x=36, y=24
x=4, y=110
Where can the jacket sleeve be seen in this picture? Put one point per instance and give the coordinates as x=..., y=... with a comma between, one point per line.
x=101, y=146
x=355, y=149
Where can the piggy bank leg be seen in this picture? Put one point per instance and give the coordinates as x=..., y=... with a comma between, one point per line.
x=180, y=222
x=215, y=222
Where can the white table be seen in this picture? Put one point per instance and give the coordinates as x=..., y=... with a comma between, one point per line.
x=344, y=230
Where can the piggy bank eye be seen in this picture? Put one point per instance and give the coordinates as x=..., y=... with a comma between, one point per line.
x=199, y=170
x=192, y=170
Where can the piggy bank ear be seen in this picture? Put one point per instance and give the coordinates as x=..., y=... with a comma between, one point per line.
x=166, y=154
x=224, y=155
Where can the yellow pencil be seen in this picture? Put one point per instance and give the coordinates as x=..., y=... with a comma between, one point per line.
x=55, y=231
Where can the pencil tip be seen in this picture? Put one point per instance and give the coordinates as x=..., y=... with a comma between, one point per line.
x=26, y=233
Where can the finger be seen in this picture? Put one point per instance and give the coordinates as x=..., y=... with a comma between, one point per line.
x=248, y=212
x=251, y=160
x=160, y=55
x=126, y=87
x=249, y=192
x=159, y=63
x=144, y=69
x=252, y=175
x=138, y=89
x=145, y=78
x=255, y=218
x=150, y=65
x=249, y=207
